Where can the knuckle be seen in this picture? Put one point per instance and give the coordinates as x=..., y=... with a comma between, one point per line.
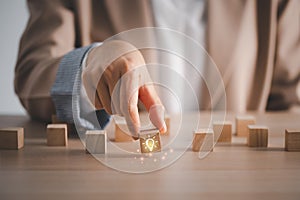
x=85, y=76
x=107, y=73
x=127, y=64
x=131, y=108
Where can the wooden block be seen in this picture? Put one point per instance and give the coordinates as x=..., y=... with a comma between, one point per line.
x=55, y=120
x=222, y=131
x=122, y=133
x=258, y=136
x=57, y=135
x=11, y=138
x=70, y=127
x=242, y=123
x=150, y=141
x=95, y=141
x=203, y=140
x=292, y=140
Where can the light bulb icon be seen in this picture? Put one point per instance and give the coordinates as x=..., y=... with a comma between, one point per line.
x=150, y=144
x=150, y=141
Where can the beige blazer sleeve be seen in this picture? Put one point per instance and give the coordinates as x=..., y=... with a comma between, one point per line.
x=49, y=35
x=286, y=75
x=256, y=45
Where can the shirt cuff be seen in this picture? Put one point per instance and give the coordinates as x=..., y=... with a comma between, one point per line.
x=66, y=91
x=86, y=105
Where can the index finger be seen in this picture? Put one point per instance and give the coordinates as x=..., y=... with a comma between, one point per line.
x=149, y=97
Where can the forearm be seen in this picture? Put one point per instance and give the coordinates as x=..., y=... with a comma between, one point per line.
x=286, y=77
x=49, y=35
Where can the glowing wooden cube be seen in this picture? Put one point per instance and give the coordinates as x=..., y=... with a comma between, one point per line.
x=150, y=141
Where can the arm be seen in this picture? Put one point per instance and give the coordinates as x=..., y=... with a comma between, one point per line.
x=49, y=35
x=48, y=61
x=286, y=79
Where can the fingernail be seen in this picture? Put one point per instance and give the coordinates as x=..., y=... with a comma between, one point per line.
x=163, y=129
x=135, y=137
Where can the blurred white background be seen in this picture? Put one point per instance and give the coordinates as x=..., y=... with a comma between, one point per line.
x=13, y=19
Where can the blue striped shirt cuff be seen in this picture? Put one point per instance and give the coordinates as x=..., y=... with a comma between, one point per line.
x=65, y=91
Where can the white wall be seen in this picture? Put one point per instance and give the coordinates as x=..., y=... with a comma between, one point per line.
x=13, y=18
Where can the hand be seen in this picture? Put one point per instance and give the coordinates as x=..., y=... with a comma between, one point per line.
x=115, y=78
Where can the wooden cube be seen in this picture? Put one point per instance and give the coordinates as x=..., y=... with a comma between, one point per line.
x=96, y=141
x=292, y=140
x=70, y=127
x=122, y=133
x=11, y=138
x=242, y=123
x=150, y=141
x=222, y=131
x=203, y=140
x=55, y=120
x=57, y=135
x=258, y=136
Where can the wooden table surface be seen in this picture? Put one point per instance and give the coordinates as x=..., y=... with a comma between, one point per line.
x=230, y=172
